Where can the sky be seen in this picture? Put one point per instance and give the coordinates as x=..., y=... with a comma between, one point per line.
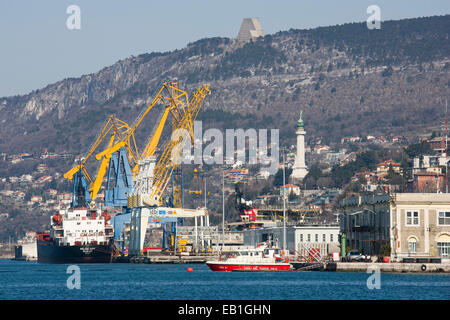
x=37, y=48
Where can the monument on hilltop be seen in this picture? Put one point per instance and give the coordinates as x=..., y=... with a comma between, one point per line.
x=250, y=30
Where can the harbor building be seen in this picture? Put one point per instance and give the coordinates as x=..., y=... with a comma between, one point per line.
x=300, y=169
x=414, y=225
x=420, y=225
x=250, y=30
x=364, y=223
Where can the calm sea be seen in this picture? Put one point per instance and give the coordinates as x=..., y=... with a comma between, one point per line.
x=30, y=280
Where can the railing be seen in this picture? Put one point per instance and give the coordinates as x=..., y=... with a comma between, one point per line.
x=311, y=252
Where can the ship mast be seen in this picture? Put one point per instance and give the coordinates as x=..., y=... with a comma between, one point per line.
x=284, y=203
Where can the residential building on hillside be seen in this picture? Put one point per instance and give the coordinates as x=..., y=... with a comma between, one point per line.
x=288, y=189
x=383, y=167
x=426, y=182
x=428, y=163
x=438, y=144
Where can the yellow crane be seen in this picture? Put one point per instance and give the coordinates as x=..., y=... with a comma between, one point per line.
x=183, y=112
x=170, y=157
x=172, y=97
x=115, y=129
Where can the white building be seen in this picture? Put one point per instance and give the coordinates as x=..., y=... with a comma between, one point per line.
x=322, y=237
x=288, y=189
x=299, y=239
x=428, y=163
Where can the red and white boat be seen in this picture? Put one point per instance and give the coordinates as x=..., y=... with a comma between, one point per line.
x=262, y=258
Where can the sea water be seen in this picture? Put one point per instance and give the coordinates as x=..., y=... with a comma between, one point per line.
x=20, y=280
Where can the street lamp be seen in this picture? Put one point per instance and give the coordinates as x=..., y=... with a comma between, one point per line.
x=223, y=209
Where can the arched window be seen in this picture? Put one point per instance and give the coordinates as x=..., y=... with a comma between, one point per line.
x=412, y=245
x=443, y=246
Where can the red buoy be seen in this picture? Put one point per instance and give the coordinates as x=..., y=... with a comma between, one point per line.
x=190, y=269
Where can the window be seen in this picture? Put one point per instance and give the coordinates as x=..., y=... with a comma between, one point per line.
x=331, y=237
x=443, y=245
x=309, y=237
x=323, y=237
x=443, y=249
x=317, y=238
x=301, y=237
x=412, y=245
x=412, y=218
x=444, y=218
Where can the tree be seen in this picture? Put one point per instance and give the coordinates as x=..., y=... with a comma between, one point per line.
x=324, y=182
x=314, y=172
x=292, y=196
x=417, y=149
x=404, y=167
x=385, y=251
x=387, y=72
x=278, y=179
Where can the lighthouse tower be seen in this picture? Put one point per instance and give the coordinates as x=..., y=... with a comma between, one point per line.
x=300, y=170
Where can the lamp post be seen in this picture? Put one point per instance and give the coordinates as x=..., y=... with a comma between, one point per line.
x=223, y=209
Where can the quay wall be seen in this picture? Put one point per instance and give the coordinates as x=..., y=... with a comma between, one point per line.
x=394, y=267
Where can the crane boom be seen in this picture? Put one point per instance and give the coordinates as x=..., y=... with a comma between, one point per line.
x=114, y=127
x=172, y=152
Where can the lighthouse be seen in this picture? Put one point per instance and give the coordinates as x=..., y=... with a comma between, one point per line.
x=300, y=170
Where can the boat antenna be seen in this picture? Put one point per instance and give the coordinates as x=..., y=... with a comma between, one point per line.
x=284, y=203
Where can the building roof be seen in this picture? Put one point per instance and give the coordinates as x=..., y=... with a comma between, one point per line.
x=388, y=163
x=289, y=185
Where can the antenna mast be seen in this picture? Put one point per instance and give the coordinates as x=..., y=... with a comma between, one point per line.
x=446, y=148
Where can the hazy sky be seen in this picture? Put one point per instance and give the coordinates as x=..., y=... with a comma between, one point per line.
x=36, y=47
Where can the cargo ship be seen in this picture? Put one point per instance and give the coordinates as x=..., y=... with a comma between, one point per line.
x=77, y=235
x=262, y=258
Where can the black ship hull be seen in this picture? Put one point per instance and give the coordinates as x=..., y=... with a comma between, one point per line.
x=49, y=252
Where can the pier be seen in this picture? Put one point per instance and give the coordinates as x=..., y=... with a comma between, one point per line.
x=390, y=267
x=165, y=259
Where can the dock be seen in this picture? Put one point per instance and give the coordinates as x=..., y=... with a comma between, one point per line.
x=392, y=267
x=165, y=259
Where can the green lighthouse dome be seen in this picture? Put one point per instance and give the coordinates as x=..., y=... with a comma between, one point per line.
x=300, y=123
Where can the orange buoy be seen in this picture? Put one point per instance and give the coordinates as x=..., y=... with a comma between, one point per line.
x=190, y=269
